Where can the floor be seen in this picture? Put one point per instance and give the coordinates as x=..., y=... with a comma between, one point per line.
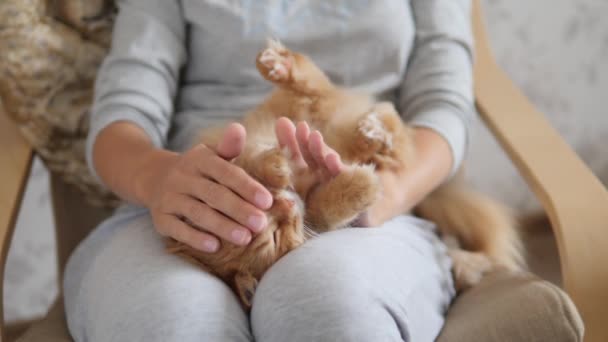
x=554, y=49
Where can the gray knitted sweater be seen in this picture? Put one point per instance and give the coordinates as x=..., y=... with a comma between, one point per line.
x=176, y=66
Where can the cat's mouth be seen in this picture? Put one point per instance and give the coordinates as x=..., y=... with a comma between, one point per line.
x=289, y=208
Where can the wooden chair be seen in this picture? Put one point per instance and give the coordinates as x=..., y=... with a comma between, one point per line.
x=504, y=307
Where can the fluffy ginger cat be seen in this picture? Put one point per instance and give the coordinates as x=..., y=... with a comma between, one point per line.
x=368, y=136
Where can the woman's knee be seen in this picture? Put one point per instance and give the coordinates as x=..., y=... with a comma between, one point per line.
x=169, y=306
x=194, y=306
x=317, y=293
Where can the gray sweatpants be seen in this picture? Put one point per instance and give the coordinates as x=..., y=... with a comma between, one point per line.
x=390, y=283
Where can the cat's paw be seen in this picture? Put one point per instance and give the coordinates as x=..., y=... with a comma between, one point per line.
x=341, y=200
x=383, y=138
x=468, y=267
x=374, y=135
x=361, y=188
x=275, y=62
x=273, y=169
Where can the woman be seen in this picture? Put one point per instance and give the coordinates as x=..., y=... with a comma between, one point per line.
x=177, y=66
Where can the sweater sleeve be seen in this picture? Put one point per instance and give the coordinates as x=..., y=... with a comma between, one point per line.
x=437, y=91
x=138, y=80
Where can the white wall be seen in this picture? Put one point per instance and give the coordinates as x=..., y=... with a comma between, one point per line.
x=557, y=52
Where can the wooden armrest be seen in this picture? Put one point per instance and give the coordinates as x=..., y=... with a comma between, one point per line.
x=15, y=162
x=574, y=199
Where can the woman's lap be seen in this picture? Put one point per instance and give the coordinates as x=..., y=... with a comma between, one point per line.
x=385, y=284
x=121, y=285
x=360, y=284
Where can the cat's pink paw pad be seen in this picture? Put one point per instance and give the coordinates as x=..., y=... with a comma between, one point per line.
x=373, y=130
x=275, y=59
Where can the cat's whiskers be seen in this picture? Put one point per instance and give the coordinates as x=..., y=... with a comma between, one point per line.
x=309, y=232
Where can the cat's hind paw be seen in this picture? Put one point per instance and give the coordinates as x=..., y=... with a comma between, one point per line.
x=374, y=132
x=383, y=139
x=274, y=62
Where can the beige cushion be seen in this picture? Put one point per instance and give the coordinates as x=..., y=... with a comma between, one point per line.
x=513, y=307
x=504, y=307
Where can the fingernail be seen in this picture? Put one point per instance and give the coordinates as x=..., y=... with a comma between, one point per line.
x=210, y=246
x=240, y=237
x=256, y=222
x=262, y=200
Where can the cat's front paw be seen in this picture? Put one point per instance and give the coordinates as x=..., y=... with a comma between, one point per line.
x=342, y=199
x=361, y=188
x=275, y=62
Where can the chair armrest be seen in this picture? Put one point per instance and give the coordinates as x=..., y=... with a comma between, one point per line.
x=574, y=199
x=15, y=162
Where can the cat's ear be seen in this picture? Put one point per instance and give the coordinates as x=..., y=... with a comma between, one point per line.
x=245, y=285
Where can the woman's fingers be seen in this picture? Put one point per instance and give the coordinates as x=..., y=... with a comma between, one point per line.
x=170, y=225
x=328, y=160
x=303, y=135
x=317, y=154
x=234, y=178
x=286, y=135
x=200, y=215
x=217, y=196
x=334, y=164
x=232, y=142
x=317, y=148
x=204, y=197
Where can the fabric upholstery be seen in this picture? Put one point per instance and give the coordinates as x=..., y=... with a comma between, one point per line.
x=513, y=307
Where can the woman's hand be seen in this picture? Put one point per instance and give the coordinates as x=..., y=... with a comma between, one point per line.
x=200, y=196
x=404, y=189
x=401, y=189
x=392, y=202
x=307, y=149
